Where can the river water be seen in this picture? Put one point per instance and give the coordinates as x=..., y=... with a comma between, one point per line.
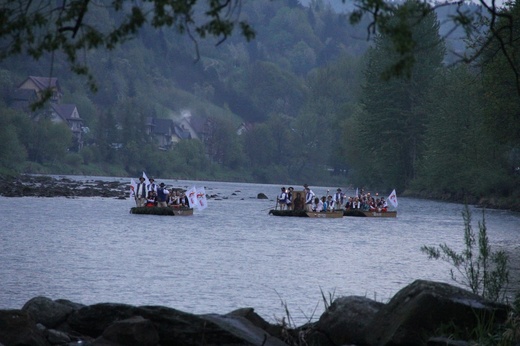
x=228, y=256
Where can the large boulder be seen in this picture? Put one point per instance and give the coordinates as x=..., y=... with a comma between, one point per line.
x=418, y=311
x=245, y=329
x=132, y=331
x=346, y=319
x=18, y=328
x=47, y=312
x=261, y=195
x=143, y=325
x=180, y=328
x=92, y=320
x=257, y=320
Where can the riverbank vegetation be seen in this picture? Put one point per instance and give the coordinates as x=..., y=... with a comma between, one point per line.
x=485, y=272
x=304, y=101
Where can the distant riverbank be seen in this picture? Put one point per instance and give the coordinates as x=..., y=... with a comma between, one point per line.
x=488, y=202
x=26, y=185
x=47, y=186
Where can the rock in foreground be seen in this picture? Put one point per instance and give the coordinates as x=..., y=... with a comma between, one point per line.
x=414, y=316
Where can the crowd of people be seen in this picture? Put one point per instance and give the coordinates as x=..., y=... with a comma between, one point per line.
x=153, y=195
x=307, y=200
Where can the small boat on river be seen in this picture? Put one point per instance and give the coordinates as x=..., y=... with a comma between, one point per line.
x=303, y=213
x=297, y=213
x=366, y=213
x=325, y=214
x=336, y=213
x=162, y=211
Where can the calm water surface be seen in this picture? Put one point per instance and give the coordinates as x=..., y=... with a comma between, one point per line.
x=228, y=256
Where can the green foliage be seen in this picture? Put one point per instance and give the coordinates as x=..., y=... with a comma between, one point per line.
x=12, y=151
x=390, y=127
x=500, y=82
x=187, y=159
x=483, y=271
x=73, y=159
x=458, y=159
x=74, y=27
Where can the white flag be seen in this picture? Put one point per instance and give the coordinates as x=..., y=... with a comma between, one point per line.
x=192, y=197
x=393, y=199
x=146, y=181
x=357, y=192
x=133, y=187
x=201, y=198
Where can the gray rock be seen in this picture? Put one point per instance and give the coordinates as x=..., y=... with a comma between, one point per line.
x=346, y=319
x=417, y=312
x=261, y=195
x=132, y=331
x=56, y=337
x=257, y=320
x=180, y=328
x=243, y=328
x=47, y=312
x=73, y=305
x=18, y=328
x=173, y=327
x=92, y=320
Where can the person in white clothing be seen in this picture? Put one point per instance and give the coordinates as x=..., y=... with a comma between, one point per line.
x=330, y=203
x=318, y=205
x=141, y=193
x=282, y=199
x=152, y=186
x=162, y=196
x=309, y=198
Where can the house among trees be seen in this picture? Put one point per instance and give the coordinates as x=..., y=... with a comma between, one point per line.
x=41, y=85
x=244, y=128
x=22, y=99
x=34, y=89
x=68, y=114
x=166, y=132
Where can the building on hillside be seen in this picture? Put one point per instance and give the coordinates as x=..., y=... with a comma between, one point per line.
x=41, y=85
x=182, y=133
x=68, y=114
x=22, y=99
x=33, y=89
x=185, y=124
x=244, y=128
x=198, y=125
x=161, y=131
x=165, y=132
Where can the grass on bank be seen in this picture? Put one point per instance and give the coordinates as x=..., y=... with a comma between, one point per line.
x=486, y=273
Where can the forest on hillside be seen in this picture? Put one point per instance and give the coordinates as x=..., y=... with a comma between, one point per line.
x=316, y=95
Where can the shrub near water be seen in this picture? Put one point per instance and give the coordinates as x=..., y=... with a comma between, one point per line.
x=485, y=273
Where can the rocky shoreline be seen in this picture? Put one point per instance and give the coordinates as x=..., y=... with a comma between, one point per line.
x=46, y=186
x=422, y=313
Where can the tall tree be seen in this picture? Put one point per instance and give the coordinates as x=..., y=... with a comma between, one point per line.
x=500, y=82
x=391, y=124
x=12, y=150
x=457, y=159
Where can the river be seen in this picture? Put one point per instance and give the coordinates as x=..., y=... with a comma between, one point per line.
x=228, y=256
